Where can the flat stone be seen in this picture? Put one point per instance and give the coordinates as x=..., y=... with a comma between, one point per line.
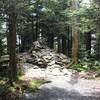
x=51, y=63
x=66, y=72
x=56, y=66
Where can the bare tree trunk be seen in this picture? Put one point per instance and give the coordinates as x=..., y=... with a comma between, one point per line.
x=74, y=37
x=51, y=40
x=64, y=44
x=69, y=43
x=59, y=44
x=33, y=32
x=74, y=45
x=12, y=42
x=37, y=26
x=98, y=33
x=88, y=43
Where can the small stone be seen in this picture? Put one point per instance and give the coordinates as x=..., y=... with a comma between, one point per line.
x=35, y=67
x=52, y=63
x=59, y=63
x=40, y=62
x=56, y=66
x=66, y=72
x=64, y=60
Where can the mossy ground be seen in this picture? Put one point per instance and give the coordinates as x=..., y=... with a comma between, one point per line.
x=16, y=92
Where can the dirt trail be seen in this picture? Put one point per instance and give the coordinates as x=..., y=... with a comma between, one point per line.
x=69, y=88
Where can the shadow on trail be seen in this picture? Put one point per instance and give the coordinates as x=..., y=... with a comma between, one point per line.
x=55, y=93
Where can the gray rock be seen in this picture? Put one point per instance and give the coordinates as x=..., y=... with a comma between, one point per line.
x=44, y=57
x=35, y=67
x=56, y=66
x=51, y=63
x=66, y=72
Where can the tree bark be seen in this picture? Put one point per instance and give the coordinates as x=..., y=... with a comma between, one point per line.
x=98, y=33
x=69, y=41
x=51, y=40
x=88, y=43
x=33, y=33
x=74, y=45
x=59, y=44
x=12, y=42
x=37, y=26
x=64, y=44
x=74, y=36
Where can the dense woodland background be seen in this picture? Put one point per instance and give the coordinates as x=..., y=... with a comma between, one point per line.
x=70, y=27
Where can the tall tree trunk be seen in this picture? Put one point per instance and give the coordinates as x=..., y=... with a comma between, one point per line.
x=51, y=40
x=33, y=35
x=12, y=41
x=98, y=40
x=69, y=40
x=37, y=26
x=64, y=44
x=74, y=45
x=74, y=36
x=98, y=32
x=59, y=43
x=88, y=43
x=22, y=43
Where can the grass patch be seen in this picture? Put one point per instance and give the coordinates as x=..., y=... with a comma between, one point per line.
x=31, y=85
x=16, y=92
x=86, y=66
x=35, y=84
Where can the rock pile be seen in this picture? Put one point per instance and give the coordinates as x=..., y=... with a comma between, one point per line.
x=43, y=59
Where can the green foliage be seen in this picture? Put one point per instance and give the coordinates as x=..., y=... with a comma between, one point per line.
x=4, y=71
x=81, y=67
x=56, y=17
x=20, y=71
x=3, y=88
x=9, y=91
x=17, y=89
x=33, y=85
x=86, y=55
x=87, y=65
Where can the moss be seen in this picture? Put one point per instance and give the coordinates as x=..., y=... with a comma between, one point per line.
x=93, y=78
x=34, y=84
x=30, y=85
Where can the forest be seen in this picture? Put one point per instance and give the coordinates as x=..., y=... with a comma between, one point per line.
x=48, y=45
